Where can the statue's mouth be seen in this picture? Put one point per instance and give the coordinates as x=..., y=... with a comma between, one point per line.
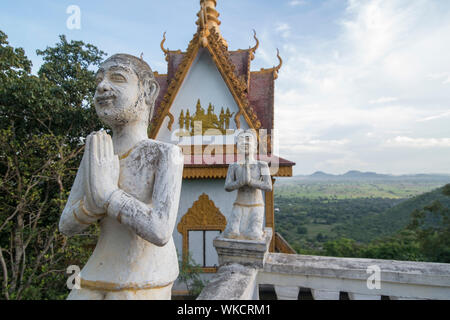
x=102, y=100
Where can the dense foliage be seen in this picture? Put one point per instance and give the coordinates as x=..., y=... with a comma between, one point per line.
x=42, y=121
x=416, y=229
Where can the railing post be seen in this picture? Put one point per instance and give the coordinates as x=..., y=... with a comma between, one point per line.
x=324, y=294
x=287, y=293
x=358, y=296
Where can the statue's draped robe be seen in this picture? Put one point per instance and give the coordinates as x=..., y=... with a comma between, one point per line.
x=135, y=248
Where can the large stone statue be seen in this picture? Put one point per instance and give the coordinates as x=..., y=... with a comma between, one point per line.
x=131, y=184
x=249, y=177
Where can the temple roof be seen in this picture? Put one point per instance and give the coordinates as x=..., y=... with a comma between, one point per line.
x=252, y=91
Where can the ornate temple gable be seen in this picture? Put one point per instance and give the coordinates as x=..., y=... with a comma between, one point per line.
x=203, y=214
x=208, y=36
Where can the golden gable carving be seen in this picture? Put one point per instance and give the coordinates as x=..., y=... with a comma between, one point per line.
x=204, y=215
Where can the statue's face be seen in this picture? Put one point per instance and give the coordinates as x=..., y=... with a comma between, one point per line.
x=118, y=93
x=246, y=143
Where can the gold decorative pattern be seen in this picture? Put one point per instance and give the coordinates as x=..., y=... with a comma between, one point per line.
x=248, y=205
x=90, y=214
x=126, y=154
x=203, y=215
x=166, y=51
x=115, y=287
x=205, y=173
x=208, y=172
x=79, y=220
x=208, y=119
x=270, y=214
x=171, y=120
x=253, y=50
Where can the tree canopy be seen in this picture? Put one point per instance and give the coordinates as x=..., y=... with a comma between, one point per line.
x=43, y=120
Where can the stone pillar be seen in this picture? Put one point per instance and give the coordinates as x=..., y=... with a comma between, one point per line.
x=324, y=294
x=359, y=296
x=287, y=293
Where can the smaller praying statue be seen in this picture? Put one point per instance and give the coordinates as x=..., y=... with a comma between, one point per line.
x=249, y=177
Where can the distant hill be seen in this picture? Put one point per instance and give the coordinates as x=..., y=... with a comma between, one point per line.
x=370, y=176
x=392, y=220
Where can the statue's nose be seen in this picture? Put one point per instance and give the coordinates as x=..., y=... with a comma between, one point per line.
x=103, y=86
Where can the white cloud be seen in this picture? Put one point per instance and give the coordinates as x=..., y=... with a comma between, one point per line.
x=437, y=116
x=382, y=73
x=418, y=142
x=283, y=29
x=383, y=100
x=294, y=3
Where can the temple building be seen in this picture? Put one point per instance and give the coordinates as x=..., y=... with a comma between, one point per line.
x=208, y=94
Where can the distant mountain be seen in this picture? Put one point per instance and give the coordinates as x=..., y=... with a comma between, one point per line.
x=355, y=174
x=359, y=175
x=322, y=175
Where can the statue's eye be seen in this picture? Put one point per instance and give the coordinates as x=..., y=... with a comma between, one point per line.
x=99, y=80
x=118, y=77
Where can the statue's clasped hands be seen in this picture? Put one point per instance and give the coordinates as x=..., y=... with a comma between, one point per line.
x=102, y=171
x=245, y=179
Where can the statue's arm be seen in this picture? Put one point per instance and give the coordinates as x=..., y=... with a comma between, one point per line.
x=75, y=217
x=231, y=183
x=154, y=223
x=265, y=181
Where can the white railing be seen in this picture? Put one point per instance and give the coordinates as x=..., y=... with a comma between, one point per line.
x=329, y=277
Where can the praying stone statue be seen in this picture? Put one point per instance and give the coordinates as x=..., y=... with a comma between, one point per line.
x=130, y=185
x=249, y=177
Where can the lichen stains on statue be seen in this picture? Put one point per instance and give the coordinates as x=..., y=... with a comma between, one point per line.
x=131, y=186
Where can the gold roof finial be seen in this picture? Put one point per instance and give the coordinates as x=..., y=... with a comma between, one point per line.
x=166, y=51
x=253, y=50
x=277, y=68
x=208, y=20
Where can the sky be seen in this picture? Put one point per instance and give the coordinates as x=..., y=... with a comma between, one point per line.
x=365, y=84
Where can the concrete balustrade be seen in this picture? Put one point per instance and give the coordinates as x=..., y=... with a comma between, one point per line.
x=328, y=277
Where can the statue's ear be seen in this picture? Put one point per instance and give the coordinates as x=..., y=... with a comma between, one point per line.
x=152, y=91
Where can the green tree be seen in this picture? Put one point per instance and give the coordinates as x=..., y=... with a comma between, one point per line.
x=42, y=121
x=433, y=238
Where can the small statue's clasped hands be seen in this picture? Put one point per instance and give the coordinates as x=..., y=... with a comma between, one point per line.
x=245, y=179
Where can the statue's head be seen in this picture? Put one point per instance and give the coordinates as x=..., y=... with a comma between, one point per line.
x=126, y=90
x=247, y=142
